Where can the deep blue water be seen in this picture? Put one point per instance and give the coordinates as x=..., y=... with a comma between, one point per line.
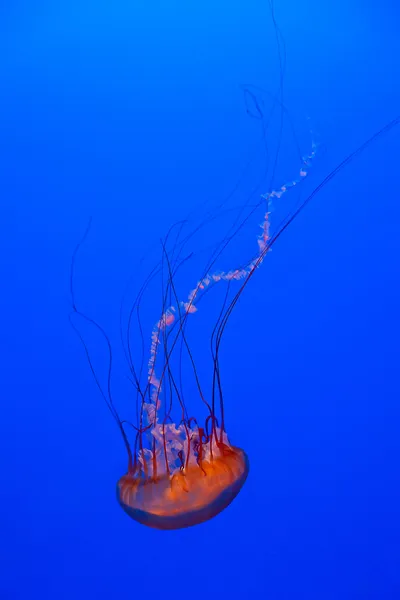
x=134, y=113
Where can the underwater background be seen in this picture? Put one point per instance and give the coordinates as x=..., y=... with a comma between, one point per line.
x=136, y=113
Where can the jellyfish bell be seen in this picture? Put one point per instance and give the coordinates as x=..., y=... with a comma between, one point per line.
x=187, y=498
x=163, y=496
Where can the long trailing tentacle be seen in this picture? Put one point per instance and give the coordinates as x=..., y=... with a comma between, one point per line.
x=107, y=395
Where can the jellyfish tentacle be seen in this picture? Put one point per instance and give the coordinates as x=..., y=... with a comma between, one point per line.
x=179, y=449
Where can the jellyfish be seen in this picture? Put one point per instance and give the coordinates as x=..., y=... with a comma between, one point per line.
x=182, y=468
x=183, y=472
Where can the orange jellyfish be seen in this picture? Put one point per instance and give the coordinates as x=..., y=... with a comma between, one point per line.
x=182, y=469
x=182, y=472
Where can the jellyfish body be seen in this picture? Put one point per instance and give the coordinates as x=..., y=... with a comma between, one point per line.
x=189, y=496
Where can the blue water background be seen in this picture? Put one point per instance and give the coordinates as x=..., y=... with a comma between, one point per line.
x=132, y=112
